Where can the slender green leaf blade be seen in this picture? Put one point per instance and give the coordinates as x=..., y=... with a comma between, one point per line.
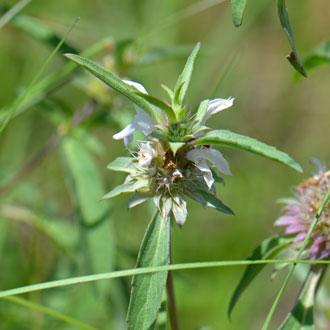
x=201, y=111
x=301, y=316
x=238, y=9
x=293, y=57
x=186, y=74
x=268, y=249
x=233, y=140
x=146, y=295
x=114, y=82
x=126, y=188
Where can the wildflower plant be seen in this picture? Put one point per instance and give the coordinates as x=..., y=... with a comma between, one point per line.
x=306, y=236
x=176, y=161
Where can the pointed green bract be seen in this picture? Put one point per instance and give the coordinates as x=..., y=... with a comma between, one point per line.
x=213, y=201
x=147, y=289
x=186, y=75
x=238, y=9
x=125, y=188
x=114, y=82
x=233, y=140
x=293, y=57
x=301, y=317
x=268, y=249
x=175, y=146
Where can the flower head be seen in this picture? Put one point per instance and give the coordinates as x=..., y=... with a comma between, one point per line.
x=299, y=214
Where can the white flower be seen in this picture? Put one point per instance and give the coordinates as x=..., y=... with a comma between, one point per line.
x=217, y=105
x=141, y=121
x=146, y=154
x=200, y=157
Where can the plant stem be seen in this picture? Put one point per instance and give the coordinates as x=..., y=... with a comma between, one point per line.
x=171, y=305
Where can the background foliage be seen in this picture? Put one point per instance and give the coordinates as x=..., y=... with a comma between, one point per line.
x=52, y=223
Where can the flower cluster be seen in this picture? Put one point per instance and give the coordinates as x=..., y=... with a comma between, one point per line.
x=168, y=167
x=299, y=214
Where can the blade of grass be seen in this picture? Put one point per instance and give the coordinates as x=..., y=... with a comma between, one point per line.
x=50, y=312
x=52, y=82
x=21, y=99
x=181, y=15
x=145, y=270
x=12, y=12
x=224, y=74
x=293, y=266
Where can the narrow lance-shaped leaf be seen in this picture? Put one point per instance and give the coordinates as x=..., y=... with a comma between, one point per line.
x=293, y=57
x=301, y=316
x=268, y=249
x=147, y=289
x=238, y=9
x=114, y=82
x=233, y=140
x=186, y=74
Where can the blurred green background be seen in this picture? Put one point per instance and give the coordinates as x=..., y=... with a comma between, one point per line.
x=55, y=151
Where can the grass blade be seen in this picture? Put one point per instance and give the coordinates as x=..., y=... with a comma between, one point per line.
x=147, y=270
x=22, y=98
x=12, y=12
x=50, y=312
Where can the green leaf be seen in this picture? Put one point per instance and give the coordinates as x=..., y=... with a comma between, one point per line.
x=161, y=105
x=201, y=111
x=125, y=188
x=238, y=9
x=146, y=294
x=268, y=249
x=233, y=140
x=85, y=180
x=114, y=82
x=168, y=91
x=175, y=146
x=186, y=74
x=213, y=201
x=320, y=56
x=293, y=57
x=301, y=316
x=122, y=164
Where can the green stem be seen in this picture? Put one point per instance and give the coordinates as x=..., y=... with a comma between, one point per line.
x=301, y=250
x=172, y=310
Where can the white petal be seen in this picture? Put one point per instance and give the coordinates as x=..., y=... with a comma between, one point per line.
x=215, y=157
x=136, y=85
x=126, y=134
x=217, y=105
